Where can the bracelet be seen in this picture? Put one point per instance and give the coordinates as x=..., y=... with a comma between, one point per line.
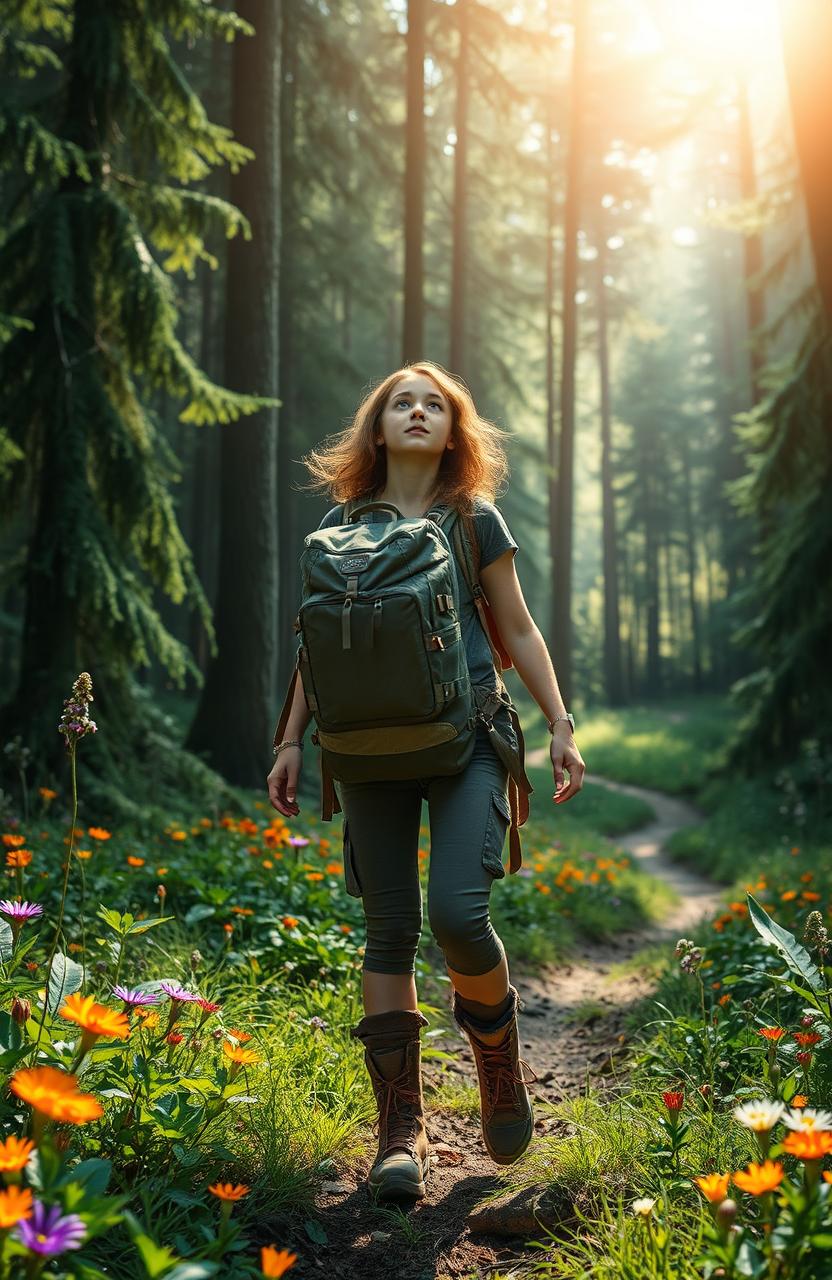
x=290, y=742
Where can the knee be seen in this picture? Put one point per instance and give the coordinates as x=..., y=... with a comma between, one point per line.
x=392, y=945
x=463, y=931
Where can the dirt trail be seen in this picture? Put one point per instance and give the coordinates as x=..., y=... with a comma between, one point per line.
x=434, y=1239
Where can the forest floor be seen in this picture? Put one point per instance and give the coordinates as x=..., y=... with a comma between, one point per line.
x=571, y=1029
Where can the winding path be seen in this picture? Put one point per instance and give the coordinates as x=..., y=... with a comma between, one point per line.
x=571, y=1026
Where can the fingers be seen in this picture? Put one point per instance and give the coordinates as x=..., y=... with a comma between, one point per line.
x=283, y=788
x=576, y=771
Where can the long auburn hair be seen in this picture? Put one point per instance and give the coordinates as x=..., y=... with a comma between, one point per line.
x=352, y=465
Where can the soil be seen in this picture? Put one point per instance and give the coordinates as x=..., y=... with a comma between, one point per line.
x=569, y=1045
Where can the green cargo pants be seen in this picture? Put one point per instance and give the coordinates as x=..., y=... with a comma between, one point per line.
x=469, y=816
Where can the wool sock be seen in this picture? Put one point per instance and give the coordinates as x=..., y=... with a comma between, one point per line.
x=484, y=1012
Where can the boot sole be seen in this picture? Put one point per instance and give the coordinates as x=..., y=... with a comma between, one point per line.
x=503, y=1158
x=399, y=1186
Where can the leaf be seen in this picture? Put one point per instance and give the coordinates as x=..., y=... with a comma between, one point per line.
x=94, y=1174
x=785, y=943
x=315, y=1231
x=66, y=976
x=6, y=941
x=142, y=926
x=193, y=1271
x=201, y=911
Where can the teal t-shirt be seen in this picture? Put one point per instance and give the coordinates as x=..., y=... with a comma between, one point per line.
x=494, y=538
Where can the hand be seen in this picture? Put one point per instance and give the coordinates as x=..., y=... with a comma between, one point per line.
x=283, y=781
x=565, y=755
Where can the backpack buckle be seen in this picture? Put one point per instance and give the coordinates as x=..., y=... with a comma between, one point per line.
x=436, y=642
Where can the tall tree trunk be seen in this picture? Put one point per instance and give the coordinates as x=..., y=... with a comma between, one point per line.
x=205, y=478
x=549, y=305
x=414, y=184
x=690, y=548
x=235, y=717
x=287, y=518
x=561, y=629
x=612, y=622
x=752, y=244
x=807, y=46
x=459, y=259
x=653, y=675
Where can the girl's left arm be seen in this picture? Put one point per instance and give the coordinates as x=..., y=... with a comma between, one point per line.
x=523, y=640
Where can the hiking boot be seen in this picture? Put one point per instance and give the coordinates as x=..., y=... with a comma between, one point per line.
x=506, y=1110
x=392, y=1054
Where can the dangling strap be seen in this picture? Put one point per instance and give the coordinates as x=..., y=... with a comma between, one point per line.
x=487, y=701
x=329, y=797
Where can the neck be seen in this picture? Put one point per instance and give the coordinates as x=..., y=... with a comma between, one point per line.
x=411, y=489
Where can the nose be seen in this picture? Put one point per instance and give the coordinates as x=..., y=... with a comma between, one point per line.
x=417, y=409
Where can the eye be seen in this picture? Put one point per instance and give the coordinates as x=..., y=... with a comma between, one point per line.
x=435, y=404
x=401, y=400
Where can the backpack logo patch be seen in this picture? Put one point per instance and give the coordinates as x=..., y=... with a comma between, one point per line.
x=353, y=564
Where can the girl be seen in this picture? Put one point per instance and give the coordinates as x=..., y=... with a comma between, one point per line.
x=417, y=440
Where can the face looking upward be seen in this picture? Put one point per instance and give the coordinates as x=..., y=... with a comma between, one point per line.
x=416, y=419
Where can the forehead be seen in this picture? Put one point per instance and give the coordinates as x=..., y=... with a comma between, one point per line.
x=416, y=383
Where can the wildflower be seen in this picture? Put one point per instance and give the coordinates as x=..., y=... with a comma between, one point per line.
x=332, y=868
x=174, y=1038
x=815, y=932
x=804, y=1059
x=276, y=1262
x=18, y=857
x=243, y=911
x=789, y=895
x=298, y=842
x=75, y=721
x=643, y=1208
x=20, y=912
x=83, y=854
x=673, y=1101
x=48, y=1231
x=723, y=1000
x=15, y=1203
x=207, y=1005
x=14, y=1153
x=134, y=861
x=808, y=1120
x=225, y=1191
x=229, y=928
x=345, y=928
x=714, y=1186
x=240, y=1036
x=799, y=1100
x=47, y=793
x=176, y=993
x=239, y=1057
x=99, y=833
x=13, y=842
x=134, y=998
x=314, y=875
x=54, y=1094
x=178, y=835
x=21, y=1010
x=803, y=1038
x=291, y=922
x=94, y=1019
x=757, y=1179
x=812, y=1144
x=772, y=1034
x=809, y=895
x=320, y=1024
x=761, y=1116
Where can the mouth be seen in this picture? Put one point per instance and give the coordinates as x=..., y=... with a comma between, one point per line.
x=417, y=427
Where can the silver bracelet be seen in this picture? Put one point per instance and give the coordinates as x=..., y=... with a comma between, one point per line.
x=290, y=742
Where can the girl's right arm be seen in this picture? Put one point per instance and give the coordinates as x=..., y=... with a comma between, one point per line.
x=283, y=779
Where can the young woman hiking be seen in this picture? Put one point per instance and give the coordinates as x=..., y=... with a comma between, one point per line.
x=417, y=441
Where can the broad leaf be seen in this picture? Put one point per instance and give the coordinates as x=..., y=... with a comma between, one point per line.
x=785, y=943
x=142, y=926
x=6, y=941
x=66, y=976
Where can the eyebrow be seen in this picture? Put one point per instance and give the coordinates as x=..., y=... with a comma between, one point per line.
x=408, y=391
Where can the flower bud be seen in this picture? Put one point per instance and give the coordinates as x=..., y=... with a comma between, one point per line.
x=196, y=960
x=726, y=1216
x=21, y=1010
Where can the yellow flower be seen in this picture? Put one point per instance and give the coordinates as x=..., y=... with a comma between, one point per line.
x=15, y=1203
x=83, y=853
x=243, y=1057
x=714, y=1186
x=178, y=835
x=95, y=1019
x=14, y=1153
x=225, y=1191
x=759, y=1178
x=276, y=1262
x=54, y=1094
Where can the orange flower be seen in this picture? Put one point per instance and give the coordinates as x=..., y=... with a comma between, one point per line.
x=83, y=853
x=276, y=1262
x=807, y=877
x=345, y=928
x=13, y=842
x=314, y=875
x=134, y=861
x=804, y=1038
x=14, y=1153
x=809, y=895
x=759, y=1178
x=268, y=864
x=229, y=928
x=771, y=1033
x=813, y=1144
x=94, y=1019
x=789, y=895
x=799, y=1100
x=15, y=1203
x=178, y=835
x=242, y=1036
x=714, y=1186
x=724, y=999
x=54, y=1094
x=225, y=1191
x=47, y=793
x=333, y=868
x=243, y=911
x=99, y=833
x=18, y=858
x=290, y=922
x=242, y=1057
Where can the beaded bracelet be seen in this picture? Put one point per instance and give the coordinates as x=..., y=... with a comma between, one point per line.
x=290, y=742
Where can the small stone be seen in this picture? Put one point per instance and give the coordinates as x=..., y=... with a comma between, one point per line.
x=379, y=1236
x=520, y=1212
x=336, y=1188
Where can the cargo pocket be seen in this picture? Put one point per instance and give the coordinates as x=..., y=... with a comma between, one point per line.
x=499, y=821
x=351, y=881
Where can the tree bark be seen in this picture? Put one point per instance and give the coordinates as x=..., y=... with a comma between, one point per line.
x=612, y=621
x=234, y=720
x=690, y=546
x=752, y=245
x=414, y=184
x=459, y=257
x=561, y=629
x=807, y=47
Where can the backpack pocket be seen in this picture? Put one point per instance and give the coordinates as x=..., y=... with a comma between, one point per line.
x=351, y=881
x=499, y=821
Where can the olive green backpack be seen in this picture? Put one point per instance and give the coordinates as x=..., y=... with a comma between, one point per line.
x=381, y=657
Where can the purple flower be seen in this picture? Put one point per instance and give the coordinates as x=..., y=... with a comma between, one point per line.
x=319, y=1023
x=21, y=911
x=48, y=1232
x=298, y=842
x=176, y=992
x=135, y=997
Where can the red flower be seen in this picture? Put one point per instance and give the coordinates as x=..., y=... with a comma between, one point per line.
x=673, y=1101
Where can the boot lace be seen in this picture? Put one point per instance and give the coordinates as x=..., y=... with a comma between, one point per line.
x=500, y=1076
x=398, y=1107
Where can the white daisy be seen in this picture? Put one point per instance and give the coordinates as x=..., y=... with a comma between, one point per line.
x=644, y=1207
x=808, y=1120
x=760, y=1115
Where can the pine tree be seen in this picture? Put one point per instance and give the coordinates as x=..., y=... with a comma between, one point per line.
x=103, y=147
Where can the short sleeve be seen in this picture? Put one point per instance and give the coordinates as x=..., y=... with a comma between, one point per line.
x=493, y=534
x=334, y=516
